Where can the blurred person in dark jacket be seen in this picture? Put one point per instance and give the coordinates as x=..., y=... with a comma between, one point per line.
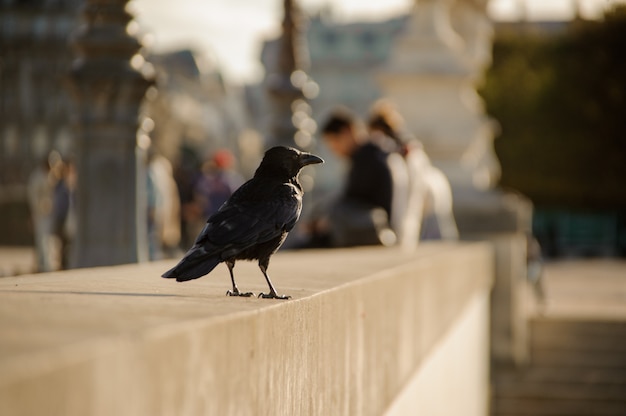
x=362, y=212
x=63, y=214
x=217, y=182
x=425, y=210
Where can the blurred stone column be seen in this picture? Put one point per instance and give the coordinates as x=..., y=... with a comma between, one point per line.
x=109, y=80
x=288, y=85
x=432, y=76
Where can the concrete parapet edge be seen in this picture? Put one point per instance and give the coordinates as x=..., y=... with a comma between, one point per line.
x=360, y=325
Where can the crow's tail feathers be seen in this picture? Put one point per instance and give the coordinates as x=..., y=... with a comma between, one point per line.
x=196, y=263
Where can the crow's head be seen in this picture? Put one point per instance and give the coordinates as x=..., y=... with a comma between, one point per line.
x=285, y=162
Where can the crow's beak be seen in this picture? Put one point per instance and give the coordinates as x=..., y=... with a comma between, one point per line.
x=309, y=159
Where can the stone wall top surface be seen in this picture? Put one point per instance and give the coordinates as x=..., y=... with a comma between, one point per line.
x=81, y=339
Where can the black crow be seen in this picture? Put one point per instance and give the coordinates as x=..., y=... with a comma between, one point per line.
x=253, y=223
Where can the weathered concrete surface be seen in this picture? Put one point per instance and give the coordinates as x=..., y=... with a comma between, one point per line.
x=446, y=376
x=121, y=340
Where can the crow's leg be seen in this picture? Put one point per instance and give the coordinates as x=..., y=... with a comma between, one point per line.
x=272, y=294
x=235, y=291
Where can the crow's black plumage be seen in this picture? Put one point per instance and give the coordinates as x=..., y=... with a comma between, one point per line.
x=253, y=223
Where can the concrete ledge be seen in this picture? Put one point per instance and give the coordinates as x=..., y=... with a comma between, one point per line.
x=122, y=341
x=451, y=379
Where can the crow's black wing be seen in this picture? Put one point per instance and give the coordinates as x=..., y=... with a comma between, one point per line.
x=258, y=212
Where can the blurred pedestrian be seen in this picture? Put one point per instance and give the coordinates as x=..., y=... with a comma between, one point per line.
x=39, y=188
x=427, y=212
x=534, y=269
x=186, y=174
x=63, y=219
x=164, y=226
x=361, y=214
x=385, y=127
x=217, y=182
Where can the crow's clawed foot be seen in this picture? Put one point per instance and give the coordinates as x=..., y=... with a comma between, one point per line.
x=236, y=292
x=273, y=295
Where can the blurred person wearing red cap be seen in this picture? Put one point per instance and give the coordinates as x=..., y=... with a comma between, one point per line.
x=217, y=182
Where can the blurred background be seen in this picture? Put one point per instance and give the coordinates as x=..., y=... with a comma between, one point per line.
x=201, y=99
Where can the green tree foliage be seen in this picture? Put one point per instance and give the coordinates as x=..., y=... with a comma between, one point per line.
x=561, y=103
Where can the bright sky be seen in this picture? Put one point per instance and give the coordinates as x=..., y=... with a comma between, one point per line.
x=231, y=32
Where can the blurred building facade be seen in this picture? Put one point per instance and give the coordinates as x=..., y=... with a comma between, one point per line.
x=34, y=101
x=343, y=61
x=191, y=108
x=347, y=59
